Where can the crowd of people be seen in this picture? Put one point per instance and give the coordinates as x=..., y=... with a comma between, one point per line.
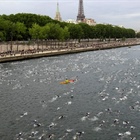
x=67, y=46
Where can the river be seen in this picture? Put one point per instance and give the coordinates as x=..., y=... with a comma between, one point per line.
x=103, y=103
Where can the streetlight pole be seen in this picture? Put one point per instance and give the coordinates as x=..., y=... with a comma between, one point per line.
x=11, y=43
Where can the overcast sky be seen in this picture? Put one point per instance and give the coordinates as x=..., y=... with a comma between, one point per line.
x=116, y=12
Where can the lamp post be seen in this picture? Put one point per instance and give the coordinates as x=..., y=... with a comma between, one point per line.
x=11, y=43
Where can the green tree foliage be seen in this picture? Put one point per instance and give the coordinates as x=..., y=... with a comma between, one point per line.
x=86, y=30
x=138, y=34
x=20, y=30
x=6, y=27
x=55, y=31
x=75, y=31
x=100, y=30
x=35, y=31
x=44, y=33
x=131, y=33
x=2, y=36
x=65, y=33
x=93, y=32
x=63, y=24
x=23, y=26
x=28, y=19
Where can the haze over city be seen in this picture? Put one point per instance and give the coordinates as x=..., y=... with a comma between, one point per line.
x=121, y=12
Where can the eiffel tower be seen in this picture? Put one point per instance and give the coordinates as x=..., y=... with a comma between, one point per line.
x=80, y=16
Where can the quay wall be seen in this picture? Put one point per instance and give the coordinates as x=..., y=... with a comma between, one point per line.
x=30, y=52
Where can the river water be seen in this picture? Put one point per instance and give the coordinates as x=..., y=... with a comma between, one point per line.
x=102, y=103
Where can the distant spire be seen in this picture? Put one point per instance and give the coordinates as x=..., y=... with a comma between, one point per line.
x=57, y=15
x=57, y=7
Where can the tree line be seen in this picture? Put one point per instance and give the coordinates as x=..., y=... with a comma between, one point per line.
x=26, y=26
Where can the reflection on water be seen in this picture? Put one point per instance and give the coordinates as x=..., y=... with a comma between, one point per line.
x=103, y=104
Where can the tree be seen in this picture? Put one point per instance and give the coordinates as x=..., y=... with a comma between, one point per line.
x=20, y=30
x=100, y=31
x=108, y=31
x=65, y=33
x=2, y=36
x=55, y=31
x=35, y=31
x=138, y=34
x=117, y=32
x=93, y=32
x=131, y=33
x=7, y=28
x=27, y=25
x=86, y=30
x=76, y=31
x=44, y=32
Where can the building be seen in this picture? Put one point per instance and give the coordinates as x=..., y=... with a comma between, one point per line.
x=57, y=15
x=90, y=21
x=71, y=21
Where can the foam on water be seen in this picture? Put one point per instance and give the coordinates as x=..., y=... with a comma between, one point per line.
x=103, y=102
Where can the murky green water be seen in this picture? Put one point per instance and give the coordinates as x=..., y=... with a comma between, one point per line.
x=102, y=104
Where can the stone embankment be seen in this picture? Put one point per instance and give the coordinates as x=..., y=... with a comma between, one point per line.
x=21, y=52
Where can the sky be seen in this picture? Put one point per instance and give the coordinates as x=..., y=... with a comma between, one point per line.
x=115, y=12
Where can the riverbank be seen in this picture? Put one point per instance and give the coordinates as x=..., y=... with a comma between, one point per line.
x=31, y=52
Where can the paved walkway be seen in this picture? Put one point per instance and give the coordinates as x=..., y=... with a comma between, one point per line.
x=87, y=47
